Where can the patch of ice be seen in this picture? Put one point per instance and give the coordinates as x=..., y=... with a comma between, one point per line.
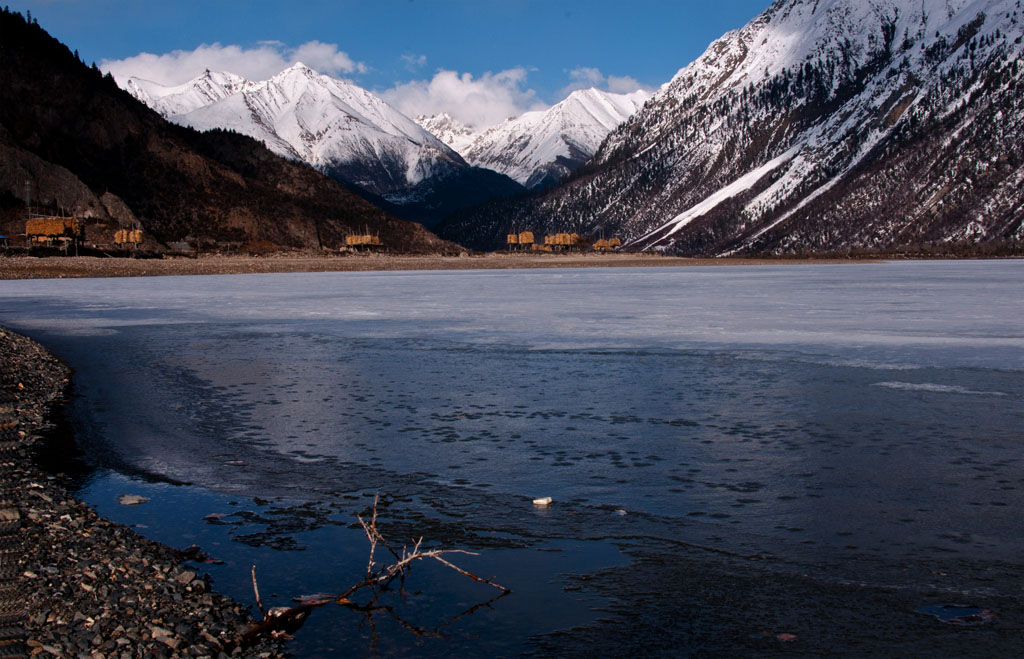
x=936, y=388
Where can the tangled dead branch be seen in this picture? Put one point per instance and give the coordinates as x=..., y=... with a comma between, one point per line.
x=282, y=622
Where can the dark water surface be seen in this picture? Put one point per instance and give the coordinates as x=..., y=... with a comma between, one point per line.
x=850, y=424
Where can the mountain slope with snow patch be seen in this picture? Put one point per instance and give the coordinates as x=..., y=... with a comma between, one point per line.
x=889, y=125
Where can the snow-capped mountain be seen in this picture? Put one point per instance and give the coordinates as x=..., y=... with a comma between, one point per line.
x=339, y=128
x=821, y=125
x=449, y=130
x=104, y=157
x=208, y=88
x=540, y=147
x=336, y=126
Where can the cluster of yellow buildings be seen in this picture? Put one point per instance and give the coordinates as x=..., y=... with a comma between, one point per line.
x=68, y=231
x=559, y=242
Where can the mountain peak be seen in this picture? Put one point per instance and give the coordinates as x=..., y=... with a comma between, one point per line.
x=607, y=108
x=217, y=189
x=332, y=124
x=589, y=92
x=298, y=67
x=542, y=146
x=820, y=126
x=439, y=118
x=207, y=87
x=449, y=130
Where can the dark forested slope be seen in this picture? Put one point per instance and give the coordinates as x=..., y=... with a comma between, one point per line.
x=89, y=147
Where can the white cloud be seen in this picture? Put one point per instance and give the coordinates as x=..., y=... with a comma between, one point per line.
x=257, y=63
x=626, y=85
x=414, y=62
x=325, y=58
x=479, y=102
x=586, y=77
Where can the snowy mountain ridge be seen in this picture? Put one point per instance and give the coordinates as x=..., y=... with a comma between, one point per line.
x=170, y=101
x=354, y=136
x=331, y=124
x=540, y=147
x=449, y=130
x=844, y=39
x=820, y=125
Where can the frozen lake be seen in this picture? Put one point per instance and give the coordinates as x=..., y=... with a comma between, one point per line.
x=831, y=416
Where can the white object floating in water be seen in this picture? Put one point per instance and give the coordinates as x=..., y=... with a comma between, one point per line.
x=620, y=511
x=543, y=502
x=131, y=499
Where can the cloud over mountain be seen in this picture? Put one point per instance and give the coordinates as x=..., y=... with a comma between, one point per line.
x=255, y=63
x=482, y=101
x=586, y=77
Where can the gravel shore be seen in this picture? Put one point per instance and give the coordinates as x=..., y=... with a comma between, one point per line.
x=73, y=584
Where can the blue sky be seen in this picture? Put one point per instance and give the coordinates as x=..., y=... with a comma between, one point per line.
x=531, y=53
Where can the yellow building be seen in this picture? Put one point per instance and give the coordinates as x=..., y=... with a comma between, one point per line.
x=51, y=231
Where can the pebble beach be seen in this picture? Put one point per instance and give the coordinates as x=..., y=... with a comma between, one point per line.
x=73, y=584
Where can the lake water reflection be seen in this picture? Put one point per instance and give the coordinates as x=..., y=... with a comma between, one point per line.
x=826, y=414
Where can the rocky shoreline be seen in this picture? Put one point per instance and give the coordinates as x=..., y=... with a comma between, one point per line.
x=73, y=584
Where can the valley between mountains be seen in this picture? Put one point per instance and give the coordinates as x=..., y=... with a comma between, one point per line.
x=821, y=127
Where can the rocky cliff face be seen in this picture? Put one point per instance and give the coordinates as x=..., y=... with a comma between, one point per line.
x=92, y=149
x=821, y=126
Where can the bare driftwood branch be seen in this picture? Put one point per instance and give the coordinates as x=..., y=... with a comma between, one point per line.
x=280, y=622
x=371, y=533
x=256, y=592
x=437, y=557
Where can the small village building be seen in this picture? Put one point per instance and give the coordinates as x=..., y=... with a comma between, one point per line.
x=603, y=245
x=563, y=241
x=126, y=237
x=54, y=231
x=363, y=242
x=523, y=239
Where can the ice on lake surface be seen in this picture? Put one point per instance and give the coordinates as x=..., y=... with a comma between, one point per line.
x=824, y=412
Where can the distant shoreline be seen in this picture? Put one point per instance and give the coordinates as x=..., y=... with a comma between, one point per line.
x=22, y=267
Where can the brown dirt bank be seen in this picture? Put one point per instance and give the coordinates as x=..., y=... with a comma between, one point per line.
x=22, y=267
